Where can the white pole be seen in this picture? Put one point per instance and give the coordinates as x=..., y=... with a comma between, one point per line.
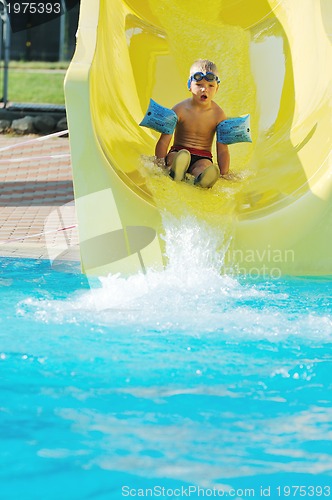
x=62, y=32
x=6, y=38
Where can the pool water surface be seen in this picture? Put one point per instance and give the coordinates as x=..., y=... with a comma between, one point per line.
x=180, y=383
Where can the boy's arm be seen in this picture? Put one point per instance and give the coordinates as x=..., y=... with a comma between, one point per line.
x=223, y=158
x=163, y=145
x=164, y=140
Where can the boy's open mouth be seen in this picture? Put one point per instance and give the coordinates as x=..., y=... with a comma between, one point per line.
x=203, y=97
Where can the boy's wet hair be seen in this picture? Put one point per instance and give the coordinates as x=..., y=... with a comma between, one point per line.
x=203, y=65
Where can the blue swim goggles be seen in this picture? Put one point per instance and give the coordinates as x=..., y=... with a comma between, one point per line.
x=210, y=77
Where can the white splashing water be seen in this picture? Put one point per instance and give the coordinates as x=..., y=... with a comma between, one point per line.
x=189, y=295
x=195, y=255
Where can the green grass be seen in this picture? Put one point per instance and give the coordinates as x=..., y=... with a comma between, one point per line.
x=35, y=82
x=38, y=65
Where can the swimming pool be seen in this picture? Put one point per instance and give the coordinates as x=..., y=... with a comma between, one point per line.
x=181, y=383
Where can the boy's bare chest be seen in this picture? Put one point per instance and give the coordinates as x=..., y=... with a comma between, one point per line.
x=199, y=116
x=202, y=120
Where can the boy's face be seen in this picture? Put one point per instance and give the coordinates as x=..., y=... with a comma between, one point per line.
x=203, y=91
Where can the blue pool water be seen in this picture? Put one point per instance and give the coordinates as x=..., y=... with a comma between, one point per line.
x=181, y=383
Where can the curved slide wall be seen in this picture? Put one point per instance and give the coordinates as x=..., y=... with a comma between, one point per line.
x=274, y=62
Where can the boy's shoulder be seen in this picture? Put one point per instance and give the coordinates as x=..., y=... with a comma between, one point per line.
x=182, y=105
x=220, y=113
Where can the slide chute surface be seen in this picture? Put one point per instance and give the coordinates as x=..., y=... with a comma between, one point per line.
x=274, y=63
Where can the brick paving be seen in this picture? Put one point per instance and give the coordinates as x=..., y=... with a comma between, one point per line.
x=37, y=211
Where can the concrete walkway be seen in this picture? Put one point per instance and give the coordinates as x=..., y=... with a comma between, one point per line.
x=37, y=212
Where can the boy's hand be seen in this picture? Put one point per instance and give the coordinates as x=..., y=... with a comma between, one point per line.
x=160, y=162
x=231, y=176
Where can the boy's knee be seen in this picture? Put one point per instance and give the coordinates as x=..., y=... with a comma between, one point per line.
x=208, y=177
x=199, y=166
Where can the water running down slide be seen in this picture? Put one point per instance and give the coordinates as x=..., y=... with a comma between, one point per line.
x=274, y=62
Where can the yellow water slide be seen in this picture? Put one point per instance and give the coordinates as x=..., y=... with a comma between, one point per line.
x=275, y=62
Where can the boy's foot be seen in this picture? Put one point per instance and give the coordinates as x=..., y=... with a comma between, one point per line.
x=208, y=177
x=180, y=165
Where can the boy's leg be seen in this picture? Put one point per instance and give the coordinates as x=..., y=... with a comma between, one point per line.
x=179, y=163
x=205, y=172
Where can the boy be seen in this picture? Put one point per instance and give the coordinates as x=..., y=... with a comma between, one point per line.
x=198, y=118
